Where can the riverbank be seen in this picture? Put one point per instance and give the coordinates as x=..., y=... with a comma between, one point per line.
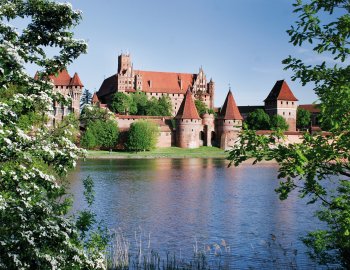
x=169, y=152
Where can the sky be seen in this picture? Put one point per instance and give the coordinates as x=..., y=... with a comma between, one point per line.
x=240, y=43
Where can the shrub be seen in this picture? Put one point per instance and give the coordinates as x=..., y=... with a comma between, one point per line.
x=142, y=136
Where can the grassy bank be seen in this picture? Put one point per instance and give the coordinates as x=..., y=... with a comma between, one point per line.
x=169, y=152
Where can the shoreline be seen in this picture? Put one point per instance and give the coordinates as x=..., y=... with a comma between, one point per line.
x=169, y=153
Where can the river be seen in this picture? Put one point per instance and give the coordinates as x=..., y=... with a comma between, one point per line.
x=179, y=205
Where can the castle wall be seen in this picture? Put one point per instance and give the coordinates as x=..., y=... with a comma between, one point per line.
x=166, y=135
x=164, y=139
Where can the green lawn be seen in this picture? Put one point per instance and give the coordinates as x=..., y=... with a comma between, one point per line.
x=169, y=152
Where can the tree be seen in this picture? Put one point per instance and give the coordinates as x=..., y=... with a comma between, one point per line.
x=258, y=120
x=88, y=139
x=101, y=128
x=142, y=136
x=303, y=119
x=36, y=229
x=278, y=122
x=122, y=103
x=91, y=113
x=101, y=134
x=164, y=106
x=140, y=100
x=202, y=108
x=86, y=98
x=309, y=166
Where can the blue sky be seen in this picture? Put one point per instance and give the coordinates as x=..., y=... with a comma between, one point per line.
x=238, y=42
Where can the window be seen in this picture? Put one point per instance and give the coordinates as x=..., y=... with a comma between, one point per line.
x=281, y=102
x=289, y=113
x=287, y=102
x=284, y=113
x=292, y=103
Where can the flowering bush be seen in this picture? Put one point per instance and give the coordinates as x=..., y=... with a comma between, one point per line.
x=35, y=229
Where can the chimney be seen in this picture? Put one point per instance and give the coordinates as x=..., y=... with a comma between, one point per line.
x=150, y=83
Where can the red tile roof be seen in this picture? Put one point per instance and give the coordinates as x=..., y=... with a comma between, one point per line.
x=312, y=108
x=166, y=82
x=63, y=79
x=75, y=81
x=230, y=110
x=95, y=99
x=187, y=109
x=281, y=91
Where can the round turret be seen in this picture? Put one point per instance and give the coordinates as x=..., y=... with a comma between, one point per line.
x=188, y=133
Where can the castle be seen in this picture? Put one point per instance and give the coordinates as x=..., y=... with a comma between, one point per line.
x=186, y=128
x=69, y=87
x=191, y=130
x=157, y=84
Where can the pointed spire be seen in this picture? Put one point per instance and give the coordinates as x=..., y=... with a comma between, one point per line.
x=76, y=80
x=229, y=110
x=281, y=91
x=187, y=109
x=95, y=99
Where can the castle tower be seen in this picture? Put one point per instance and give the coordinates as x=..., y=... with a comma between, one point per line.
x=208, y=129
x=211, y=90
x=95, y=100
x=229, y=123
x=188, y=124
x=282, y=101
x=76, y=89
x=125, y=75
x=124, y=63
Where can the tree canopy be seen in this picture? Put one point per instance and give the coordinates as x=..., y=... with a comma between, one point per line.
x=258, y=120
x=278, y=122
x=143, y=135
x=202, y=108
x=36, y=229
x=138, y=104
x=303, y=119
x=310, y=166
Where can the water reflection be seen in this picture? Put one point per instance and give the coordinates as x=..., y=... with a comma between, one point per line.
x=179, y=201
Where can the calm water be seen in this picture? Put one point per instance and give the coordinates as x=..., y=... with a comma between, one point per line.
x=180, y=202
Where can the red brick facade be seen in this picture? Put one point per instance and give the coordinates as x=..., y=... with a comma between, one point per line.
x=157, y=84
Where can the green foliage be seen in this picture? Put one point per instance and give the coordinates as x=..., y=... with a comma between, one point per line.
x=101, y=134
x=90, y=114
x=142, y=136
x=258, y=120
x=122, y=103
x=310, y=166
x=278, y=122
x=164, y=106
x=36, y=228
x=138, y=104
x=140, y=101
x=88, y=139
x=211, y=111
x=158, y=107
x=201, y=106
x=68, y=127
x=303, y=119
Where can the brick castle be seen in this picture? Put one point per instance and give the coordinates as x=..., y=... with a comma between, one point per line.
x=191, y=130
